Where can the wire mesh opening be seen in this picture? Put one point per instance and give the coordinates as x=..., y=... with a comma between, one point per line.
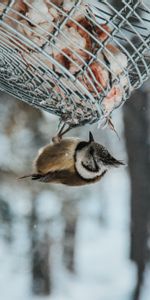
x=75, y=59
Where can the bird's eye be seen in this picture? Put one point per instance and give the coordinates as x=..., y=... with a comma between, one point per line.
x=91, y=151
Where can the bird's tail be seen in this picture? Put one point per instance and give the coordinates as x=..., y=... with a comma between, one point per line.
x=32, y=176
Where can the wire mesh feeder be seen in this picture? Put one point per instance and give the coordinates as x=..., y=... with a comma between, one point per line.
x=75, y=59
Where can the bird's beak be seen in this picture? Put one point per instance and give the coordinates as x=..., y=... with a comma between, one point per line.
x=114, y=162
x=91, y=138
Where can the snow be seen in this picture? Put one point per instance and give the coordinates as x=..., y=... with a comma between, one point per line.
x=103, y=270
x=48, y=205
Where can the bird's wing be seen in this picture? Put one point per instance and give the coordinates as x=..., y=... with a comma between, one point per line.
x=58, y=156
x=53, y=177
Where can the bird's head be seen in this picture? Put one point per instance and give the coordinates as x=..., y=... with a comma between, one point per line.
x=93, y=159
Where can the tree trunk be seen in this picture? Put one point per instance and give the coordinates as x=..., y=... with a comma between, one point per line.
x=137, y=135
x=40, y=252
x=70, y=219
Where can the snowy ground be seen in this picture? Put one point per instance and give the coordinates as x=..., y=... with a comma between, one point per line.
x=103, y=270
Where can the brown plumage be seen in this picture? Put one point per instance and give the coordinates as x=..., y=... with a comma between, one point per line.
x=73, y=162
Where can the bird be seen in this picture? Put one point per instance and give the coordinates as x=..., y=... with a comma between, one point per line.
x=73, y=162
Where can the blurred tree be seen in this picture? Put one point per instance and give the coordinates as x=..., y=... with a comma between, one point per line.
x=137, y=123
x=6, y=219
x=22, y=134
x=40, y=254
x=70, y=215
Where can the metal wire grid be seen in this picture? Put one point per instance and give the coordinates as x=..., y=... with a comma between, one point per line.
x=31, y=73
x=132, y=34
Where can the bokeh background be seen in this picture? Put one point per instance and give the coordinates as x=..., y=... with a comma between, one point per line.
x=63, y=243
